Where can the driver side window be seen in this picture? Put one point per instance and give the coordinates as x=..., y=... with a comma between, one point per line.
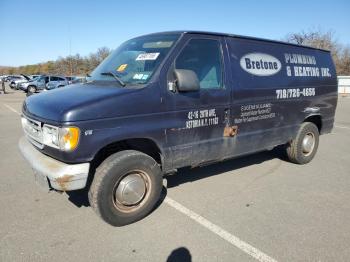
x=203, y=56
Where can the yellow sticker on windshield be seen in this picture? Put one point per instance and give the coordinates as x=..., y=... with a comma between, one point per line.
x=122, y=67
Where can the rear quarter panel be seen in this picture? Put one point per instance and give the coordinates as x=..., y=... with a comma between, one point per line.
x=315, y=71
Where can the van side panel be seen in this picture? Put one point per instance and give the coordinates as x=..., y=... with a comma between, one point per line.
x=275, y=88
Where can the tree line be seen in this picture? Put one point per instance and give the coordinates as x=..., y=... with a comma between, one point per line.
x=82, y=65
x=324, y=40
x=67, y=66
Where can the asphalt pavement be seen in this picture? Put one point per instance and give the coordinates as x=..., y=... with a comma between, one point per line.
x=256, y=208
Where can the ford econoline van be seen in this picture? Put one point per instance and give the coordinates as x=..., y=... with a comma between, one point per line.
x=168, y=100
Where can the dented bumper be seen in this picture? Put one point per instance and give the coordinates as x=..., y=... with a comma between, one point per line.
x=51, y=172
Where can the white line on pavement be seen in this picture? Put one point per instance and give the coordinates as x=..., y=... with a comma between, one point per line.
x=12, y=109
x=344, y=127
x=235, y=241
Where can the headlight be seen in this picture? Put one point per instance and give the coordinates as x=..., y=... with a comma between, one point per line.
x=63, y=138
x=24, y=122
x=50, y=136
x=68, y=138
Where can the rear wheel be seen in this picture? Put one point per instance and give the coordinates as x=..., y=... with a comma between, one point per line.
x=126, y=187
x=303, y=148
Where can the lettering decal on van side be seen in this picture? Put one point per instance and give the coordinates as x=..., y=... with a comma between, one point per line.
x=260, y=64
x=201, y=118
x=295, y=92
x=300, y=65
x=255, y=112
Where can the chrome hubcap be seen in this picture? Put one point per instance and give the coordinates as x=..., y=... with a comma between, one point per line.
x=131, y=189
x=308, y=143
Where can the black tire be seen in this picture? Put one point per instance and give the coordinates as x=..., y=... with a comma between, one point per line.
x=103, y=190
x=295, y=150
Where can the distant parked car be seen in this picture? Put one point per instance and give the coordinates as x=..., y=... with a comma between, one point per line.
x=40, y=83
x=69, y=79
x=34, y=83
x=3, y=77
x=8, y=78
x=75, y=79
x=20, y=84
x=18, y=79
x=34, y=76
x=56, y=82
x=78, y=79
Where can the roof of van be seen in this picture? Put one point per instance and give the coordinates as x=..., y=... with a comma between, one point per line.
x=236, y=36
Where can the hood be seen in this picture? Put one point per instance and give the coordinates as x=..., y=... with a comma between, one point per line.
x=79, y=102
x=19, y=81
x=26, y=77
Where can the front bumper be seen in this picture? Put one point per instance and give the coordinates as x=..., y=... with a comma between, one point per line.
x=51, y=172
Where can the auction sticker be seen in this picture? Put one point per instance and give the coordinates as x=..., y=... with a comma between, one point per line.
x=147, y=56
x=122, y=67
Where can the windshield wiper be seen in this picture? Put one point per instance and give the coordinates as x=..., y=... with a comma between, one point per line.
x=110, y=73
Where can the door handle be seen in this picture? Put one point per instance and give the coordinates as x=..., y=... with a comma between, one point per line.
x=311, y=110
x=227, y=116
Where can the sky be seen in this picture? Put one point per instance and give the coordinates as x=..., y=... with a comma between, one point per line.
x=37, y=31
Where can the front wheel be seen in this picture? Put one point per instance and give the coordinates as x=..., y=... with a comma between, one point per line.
x=303, y=148
x=126, y=187
x=31, y=90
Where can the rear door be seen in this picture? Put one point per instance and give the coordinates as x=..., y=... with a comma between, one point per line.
x=256, y=68
x=196, y=120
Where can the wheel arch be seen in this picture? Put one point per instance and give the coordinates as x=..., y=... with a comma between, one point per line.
x=145, y=145
x=315, y=119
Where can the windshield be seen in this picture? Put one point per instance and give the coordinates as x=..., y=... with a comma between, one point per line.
x=136, y=60
x=39, y=79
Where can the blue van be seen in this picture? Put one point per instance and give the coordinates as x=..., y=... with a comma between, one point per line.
x=168, y=100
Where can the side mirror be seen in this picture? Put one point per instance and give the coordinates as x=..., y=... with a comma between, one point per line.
x=186, y=80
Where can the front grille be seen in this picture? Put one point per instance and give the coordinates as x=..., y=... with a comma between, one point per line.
x=33, y=131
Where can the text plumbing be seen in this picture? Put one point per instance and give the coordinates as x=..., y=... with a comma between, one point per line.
x=304, y=65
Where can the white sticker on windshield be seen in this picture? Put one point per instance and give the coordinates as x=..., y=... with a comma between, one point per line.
x=147, y=56
x=138, y=76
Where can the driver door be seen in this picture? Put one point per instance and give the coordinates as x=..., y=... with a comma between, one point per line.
x=196, y=120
